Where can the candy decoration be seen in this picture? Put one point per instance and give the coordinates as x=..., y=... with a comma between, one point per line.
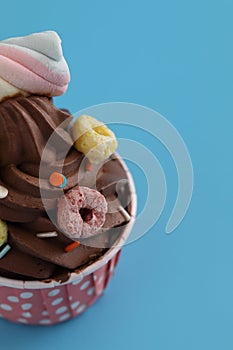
x=34, y=64
x=124, y=213
x=81, y=212
x=3, y=192
x=57, y=180
x=3, y=232
x=47, y=234
x=71, y=246
x=88, y=166
x=94, y=139
x=5, y=250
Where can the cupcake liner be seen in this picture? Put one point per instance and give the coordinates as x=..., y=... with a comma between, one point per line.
x=48, y=303
x=48, y=306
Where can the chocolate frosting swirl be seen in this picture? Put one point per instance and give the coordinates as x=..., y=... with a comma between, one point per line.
x=26, y=124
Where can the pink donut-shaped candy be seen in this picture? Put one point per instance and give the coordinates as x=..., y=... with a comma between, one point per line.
x=81, y=212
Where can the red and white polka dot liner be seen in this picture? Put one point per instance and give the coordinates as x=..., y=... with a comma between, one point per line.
x=40, y=303
x=48, y=306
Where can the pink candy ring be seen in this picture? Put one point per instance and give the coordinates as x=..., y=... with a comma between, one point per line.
x=81, y=212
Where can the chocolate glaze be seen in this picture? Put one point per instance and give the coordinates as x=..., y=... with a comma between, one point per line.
x=26, y=123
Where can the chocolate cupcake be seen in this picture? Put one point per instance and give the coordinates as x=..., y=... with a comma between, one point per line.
x=67, y=200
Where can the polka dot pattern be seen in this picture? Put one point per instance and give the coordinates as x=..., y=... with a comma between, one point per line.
x=64, y=317
x=26, y=295
x=26, y=306
x=44, y=313
x=22, y=320
x=53, y=293
x=48, y=306
x=13, y=299
x=85, y=285
x=61, y=309
x=45, y=321
x=81, y=308
x=75, y=305
x=6, y=307
x=57, y=301
x=76, y=282
x=90, y=291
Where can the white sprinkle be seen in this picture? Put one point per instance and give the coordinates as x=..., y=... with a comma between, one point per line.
x=124, y=213
x=3, y=192
x=4, y=251
x=47, y=234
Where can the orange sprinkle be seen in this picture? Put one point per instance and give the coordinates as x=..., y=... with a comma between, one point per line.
x=88, y=166
x=56, y=179
x=71, y=246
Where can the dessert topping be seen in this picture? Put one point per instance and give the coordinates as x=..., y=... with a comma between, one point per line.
x=72, y=246
x=124, y=213
x=47, y=234
x=81, y=212
x=33, y=64
x=3, y=232
x=3, y=192
x=5, y=249
x=58, y=180
x=93, y=138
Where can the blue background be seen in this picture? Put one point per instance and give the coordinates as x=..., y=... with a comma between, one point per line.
x=175, y=56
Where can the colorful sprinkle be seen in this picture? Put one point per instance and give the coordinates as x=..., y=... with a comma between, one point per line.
x=64, y=183
x=47, y=234
x=88, y=166
x=124, y=213
x=5, y=250
x=72, y=246
x=3, y=192
x=58, y=180
x=3, y=232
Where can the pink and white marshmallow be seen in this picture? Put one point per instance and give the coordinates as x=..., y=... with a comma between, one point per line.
x=33, y=64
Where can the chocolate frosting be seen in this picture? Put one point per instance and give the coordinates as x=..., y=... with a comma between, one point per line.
x=26, y=124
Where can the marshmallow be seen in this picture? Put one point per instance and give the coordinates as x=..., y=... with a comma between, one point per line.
x=8, y=90
x=33, y=64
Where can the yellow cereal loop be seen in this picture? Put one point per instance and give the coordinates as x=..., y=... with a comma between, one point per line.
x=93, y=138
x=3, y=232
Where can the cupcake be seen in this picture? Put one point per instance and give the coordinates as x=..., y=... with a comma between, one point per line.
x=67, y=200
